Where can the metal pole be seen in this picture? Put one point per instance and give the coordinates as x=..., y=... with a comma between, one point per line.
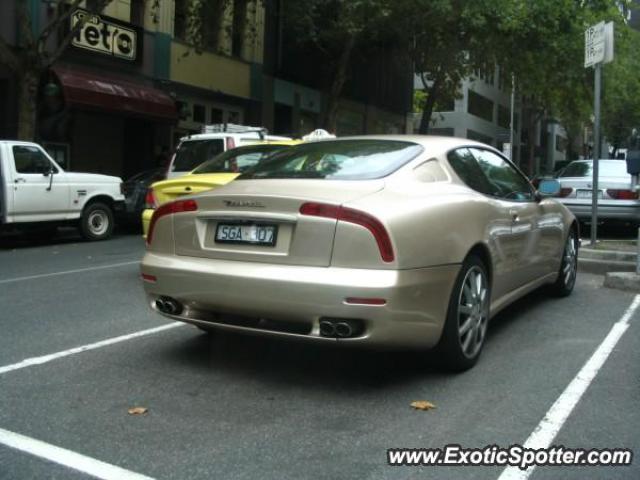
x=513, y=102
x=638, y=254
x=596, y=154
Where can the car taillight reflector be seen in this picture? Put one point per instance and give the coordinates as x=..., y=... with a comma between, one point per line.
x=622, y=194
x=150, y=199
x=365, y=301
x=178, y=206
x=357, y=217
x=565, y=192
x=231, y=143
x=149, y=278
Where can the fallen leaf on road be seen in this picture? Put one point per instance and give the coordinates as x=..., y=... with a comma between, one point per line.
x=422, y=405
x=137, y=411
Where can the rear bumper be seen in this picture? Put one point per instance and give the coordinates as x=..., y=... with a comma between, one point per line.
x=628, y=213
x=212, y=291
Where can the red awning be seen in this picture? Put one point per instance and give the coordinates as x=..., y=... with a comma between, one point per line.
x=90, y=90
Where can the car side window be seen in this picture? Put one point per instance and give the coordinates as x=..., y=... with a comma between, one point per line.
x=466, y=166
x=505, y=180
x=31, y=160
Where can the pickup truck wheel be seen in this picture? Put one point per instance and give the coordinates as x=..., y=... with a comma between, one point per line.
x=96, y=222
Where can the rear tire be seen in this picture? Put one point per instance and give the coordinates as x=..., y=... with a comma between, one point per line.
x=467, y=319
x=563, y=286
x=96, y=222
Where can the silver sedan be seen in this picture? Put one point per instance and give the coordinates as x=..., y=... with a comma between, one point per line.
x=617, y=202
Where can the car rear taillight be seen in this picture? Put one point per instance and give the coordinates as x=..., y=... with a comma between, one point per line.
x=150, y=199
x=231, y=143
x=565, y=192
x=622, y=194
x=345, y=214
x=178, y=206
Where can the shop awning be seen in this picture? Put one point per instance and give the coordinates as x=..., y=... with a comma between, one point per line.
x=113, y=94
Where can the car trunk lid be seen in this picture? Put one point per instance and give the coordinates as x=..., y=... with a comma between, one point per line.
x=270, y=206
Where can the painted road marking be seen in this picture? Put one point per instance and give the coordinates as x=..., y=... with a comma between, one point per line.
x=548, y=428
x=65, y=457
x=92, y=346
x=67, y=272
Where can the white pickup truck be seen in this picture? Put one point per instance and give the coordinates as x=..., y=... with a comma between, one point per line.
x=35, y=193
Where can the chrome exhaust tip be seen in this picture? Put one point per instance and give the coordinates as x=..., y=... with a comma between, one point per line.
x=327, y=329
x=343, y=330
x=169, y=306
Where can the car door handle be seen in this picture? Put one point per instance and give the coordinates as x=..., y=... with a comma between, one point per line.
x=20, y=180
x=514, y=215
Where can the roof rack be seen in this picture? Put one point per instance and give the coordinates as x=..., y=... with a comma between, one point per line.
x=233, y=128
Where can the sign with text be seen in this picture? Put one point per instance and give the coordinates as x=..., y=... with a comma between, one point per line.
x=598, y=44
x=107, y=37
x=594, y=48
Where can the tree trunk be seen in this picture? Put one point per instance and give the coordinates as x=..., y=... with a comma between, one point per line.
x=27, y=91
x=329, y=122
x=429, y=105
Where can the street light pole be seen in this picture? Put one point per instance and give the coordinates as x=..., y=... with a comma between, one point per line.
x=513, y=101
x=596, y=154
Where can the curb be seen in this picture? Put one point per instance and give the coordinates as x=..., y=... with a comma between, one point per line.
x=601, y=262
x=628, y=281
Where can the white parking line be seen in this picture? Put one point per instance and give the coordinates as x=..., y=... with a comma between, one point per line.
x=65, y=457
x=67, y=272
x=92, y=346
x=548, y=428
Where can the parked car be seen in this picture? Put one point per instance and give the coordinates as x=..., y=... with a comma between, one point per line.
x=401, y=241
x=617, y=202
x=135, y=191
x=218, y=171
x=194, y=150
x=37, y=194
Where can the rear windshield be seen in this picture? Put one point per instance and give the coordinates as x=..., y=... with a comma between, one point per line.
x=192, y=153
x=607, y=168
x=238, y=159
x=337, y=160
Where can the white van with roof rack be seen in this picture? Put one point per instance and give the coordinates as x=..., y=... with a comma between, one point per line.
x=196, y=149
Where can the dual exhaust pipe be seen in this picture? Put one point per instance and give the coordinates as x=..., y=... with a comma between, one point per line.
x=169, y=305
x=339, y=328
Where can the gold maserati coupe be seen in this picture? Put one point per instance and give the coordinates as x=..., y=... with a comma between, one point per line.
x=389, y=241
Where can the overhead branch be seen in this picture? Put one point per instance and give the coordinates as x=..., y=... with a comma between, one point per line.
x=55, y=24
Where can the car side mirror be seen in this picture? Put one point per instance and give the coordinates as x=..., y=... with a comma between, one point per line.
x=548, y=188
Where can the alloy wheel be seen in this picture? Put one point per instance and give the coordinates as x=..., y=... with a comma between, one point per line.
x=473, y=311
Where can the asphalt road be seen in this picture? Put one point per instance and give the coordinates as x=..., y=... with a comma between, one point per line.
x=233, y=407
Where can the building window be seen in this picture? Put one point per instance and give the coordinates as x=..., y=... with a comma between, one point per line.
x=199, y=114
x=212, y=14
x=239, y=24
x=233, y=117
x=137, y=12
x=480, y=106
x=504, y=116
x=180, y=19
x=217, y=115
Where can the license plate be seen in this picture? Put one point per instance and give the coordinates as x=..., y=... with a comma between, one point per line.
x=587, y=194
x=251, y=234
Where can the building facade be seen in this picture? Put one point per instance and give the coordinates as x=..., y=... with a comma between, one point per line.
x=482, y=112
x=130, y=84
